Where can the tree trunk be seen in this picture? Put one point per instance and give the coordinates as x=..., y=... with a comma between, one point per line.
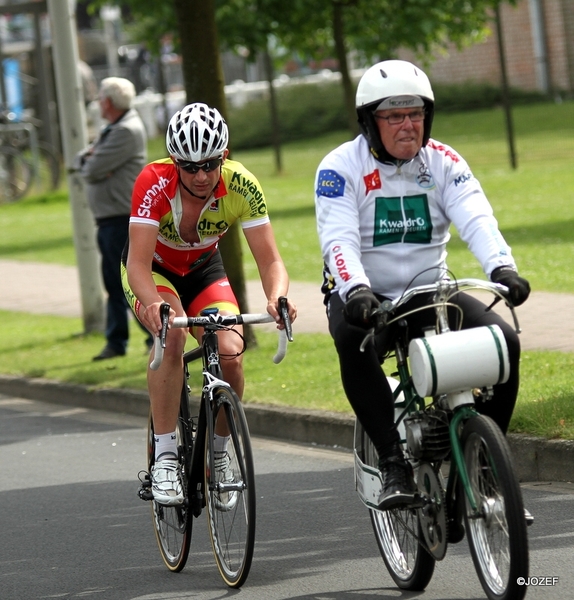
x=203, y=78
x=275, y=131
x=201, y=63
x=341, y=54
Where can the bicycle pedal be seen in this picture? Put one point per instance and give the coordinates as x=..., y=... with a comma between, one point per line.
x=418, y=502
x=145, y=493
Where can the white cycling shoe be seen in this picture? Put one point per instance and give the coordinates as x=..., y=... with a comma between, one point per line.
x=225, y=500
x=166, y=482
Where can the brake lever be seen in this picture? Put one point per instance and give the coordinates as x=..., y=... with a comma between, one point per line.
x=517, y=327
x=494, y=303
x=370, y=335
x=164, y=314
x=284, y=313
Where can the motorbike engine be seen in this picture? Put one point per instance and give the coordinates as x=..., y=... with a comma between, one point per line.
x=427, y=435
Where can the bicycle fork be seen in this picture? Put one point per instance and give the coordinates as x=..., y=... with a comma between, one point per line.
x=457, y=465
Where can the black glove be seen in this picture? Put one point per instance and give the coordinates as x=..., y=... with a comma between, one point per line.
x=518, y=287
x=360, y=304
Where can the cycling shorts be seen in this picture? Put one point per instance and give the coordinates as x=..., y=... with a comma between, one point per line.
x=206, y=287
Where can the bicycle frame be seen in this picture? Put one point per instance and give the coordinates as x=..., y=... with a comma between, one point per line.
x=212, y=377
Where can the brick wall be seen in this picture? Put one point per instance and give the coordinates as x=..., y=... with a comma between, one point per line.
x=481, y=63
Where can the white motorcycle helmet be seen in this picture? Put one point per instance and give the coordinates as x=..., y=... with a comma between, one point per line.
x=389, y=84
x=196, y=133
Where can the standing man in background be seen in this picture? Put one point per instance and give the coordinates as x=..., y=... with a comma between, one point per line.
x=109, y=167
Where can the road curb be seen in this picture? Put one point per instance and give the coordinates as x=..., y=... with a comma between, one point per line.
x=536, y=459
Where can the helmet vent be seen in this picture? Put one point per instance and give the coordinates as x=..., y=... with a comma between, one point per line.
x=384, y=74
x=196, y=133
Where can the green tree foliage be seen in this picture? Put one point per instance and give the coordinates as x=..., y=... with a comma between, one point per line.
x=377, y=30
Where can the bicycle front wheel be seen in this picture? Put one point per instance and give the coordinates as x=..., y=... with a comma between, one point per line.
x=230, y=489
x=497, y=530
x=172, y=524
x=398, y=532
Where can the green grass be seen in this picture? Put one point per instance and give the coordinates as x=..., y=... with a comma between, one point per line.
x=533, y=205
x=308, y=378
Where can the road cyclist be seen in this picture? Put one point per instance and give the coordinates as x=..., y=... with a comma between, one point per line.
x=181, y=207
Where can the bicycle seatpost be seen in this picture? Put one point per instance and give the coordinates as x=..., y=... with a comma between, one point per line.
x=284, y=313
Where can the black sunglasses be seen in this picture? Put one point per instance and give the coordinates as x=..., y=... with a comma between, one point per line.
x=194, y=168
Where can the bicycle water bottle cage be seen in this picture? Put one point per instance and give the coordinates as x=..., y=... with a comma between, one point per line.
x=209, y=311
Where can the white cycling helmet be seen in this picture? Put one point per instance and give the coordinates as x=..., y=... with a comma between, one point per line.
x=195, y=133
x=392, y=84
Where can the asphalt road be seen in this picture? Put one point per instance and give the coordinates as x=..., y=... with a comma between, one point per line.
x=72, y=526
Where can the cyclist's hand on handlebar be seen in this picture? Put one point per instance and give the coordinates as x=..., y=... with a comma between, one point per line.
x=518, y=287
x=151, y=317
x=360, y=304
x=284, y=312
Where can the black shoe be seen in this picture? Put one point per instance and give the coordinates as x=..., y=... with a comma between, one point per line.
x=528, y=518
x=399, y=487
x=455, y=532
x=109, y=352
x=455, y=526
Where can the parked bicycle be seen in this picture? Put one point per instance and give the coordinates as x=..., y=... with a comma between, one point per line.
x=26, y=163
x=231, y=503
x=15, y=175
x=461, y=460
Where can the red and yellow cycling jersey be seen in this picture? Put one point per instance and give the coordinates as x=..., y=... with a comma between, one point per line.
x=156, y=200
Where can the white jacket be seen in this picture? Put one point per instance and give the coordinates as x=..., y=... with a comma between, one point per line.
x=383, y=225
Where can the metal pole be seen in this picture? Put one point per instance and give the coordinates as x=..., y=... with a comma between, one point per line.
x=505, y=91
x=74, y=137
x=109, y=15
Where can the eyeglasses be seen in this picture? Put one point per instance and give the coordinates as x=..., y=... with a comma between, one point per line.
x=397, y=118
x=194, y=168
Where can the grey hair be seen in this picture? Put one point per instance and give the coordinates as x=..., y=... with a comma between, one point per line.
x=120, y=91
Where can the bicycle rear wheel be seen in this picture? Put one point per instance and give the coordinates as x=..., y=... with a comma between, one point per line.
x=15, y=175
x=231, y=503
x=397, y=532
x=497, y=532
x=172, y=524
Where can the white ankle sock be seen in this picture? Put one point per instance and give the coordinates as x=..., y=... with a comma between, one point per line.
x=165, y=444
x=220, y=443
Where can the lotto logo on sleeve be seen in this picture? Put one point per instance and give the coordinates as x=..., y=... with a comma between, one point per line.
x=330, y=184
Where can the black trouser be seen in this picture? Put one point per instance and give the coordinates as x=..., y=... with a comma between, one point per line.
x=365, y=383
x=111, y=235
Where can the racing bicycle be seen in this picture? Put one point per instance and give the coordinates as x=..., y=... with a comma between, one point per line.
x=230, y=503
x=461, y=460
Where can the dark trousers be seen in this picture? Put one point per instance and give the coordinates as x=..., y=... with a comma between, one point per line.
x=366, y=385
x=112, y=236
